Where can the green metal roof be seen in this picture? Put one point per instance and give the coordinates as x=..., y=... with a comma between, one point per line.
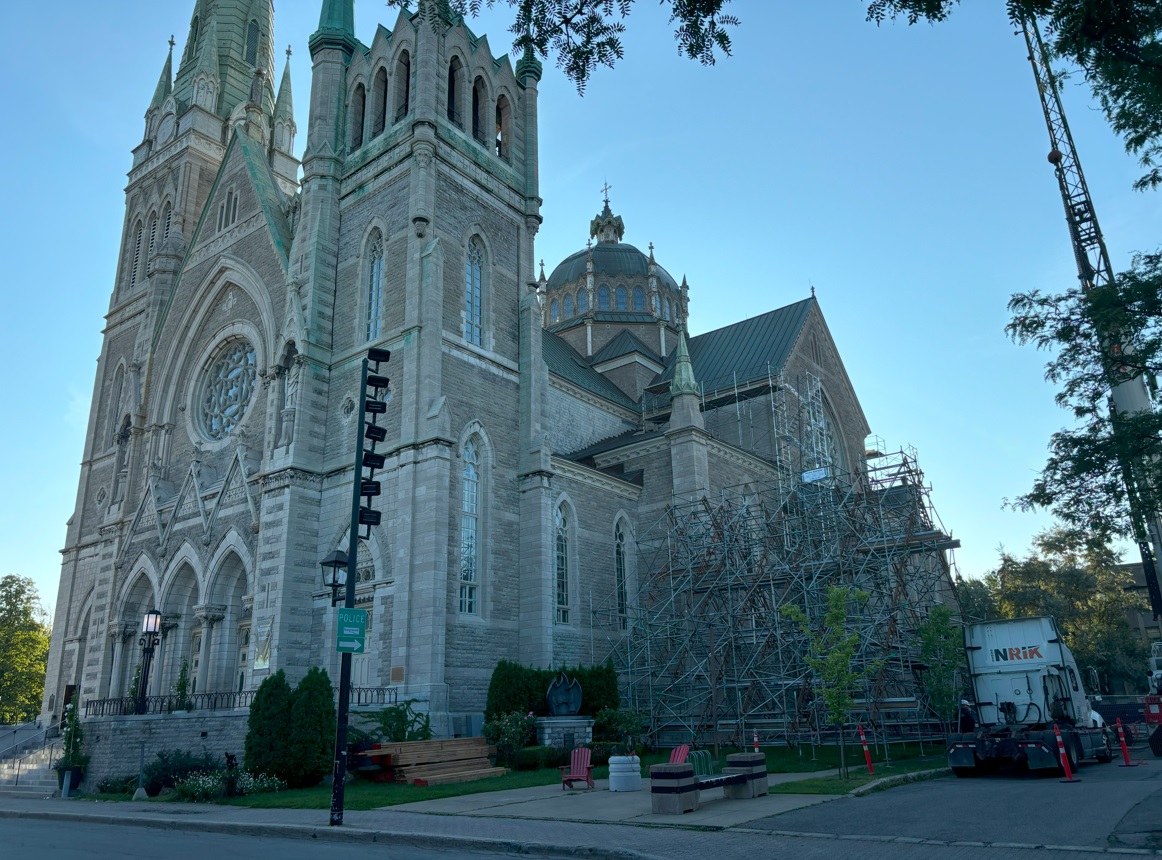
x=744, y=348
x=610, y=260
x=623, y=344
x=567, y=363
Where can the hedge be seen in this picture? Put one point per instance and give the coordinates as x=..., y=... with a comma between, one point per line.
x=522, y=688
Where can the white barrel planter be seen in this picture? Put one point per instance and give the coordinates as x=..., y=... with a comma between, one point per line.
x=625, y=773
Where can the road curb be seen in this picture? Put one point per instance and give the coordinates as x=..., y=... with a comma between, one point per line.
x=347, y=834
x=898, y=779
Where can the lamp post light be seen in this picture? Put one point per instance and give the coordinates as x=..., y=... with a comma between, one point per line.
x=150, y=639
x=335, y=574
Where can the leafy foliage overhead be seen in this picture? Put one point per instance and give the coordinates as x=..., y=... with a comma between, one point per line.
x=1116, y=43
x=585, y=34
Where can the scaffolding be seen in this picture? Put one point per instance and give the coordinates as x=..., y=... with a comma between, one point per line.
x=703, y=645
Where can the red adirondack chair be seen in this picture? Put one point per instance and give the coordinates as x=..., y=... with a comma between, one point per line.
x=578, y=768
x=678, y=754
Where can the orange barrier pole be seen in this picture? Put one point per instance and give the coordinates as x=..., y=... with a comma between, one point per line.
x=1064, y=757
x=866, y=754
x=756, y=740
x=1125, y=749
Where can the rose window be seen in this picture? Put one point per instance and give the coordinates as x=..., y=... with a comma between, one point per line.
x=227, y=389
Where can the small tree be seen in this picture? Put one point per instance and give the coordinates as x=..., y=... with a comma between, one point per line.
x=268, y=728
x=309, y=753
x=941, y=649
x=181, y=687
x=72, y=741
x=832, y=648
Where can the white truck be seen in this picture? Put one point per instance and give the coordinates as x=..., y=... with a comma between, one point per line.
x=1025, y=681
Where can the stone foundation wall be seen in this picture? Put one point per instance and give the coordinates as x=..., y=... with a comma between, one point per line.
x=551, y=731
x=114, y=743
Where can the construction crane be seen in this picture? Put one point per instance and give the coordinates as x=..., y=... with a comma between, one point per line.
x=1127, y=396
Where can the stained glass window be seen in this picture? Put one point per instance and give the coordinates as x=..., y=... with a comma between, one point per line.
x=639, y=299
x=619, y=569
x=622, y=299
x=227, y=389
x=374, y=286
x=469, y=530
x=562, y=528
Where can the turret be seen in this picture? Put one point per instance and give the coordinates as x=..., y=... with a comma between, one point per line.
x=282, y=160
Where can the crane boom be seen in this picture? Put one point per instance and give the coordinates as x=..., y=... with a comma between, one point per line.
x=1094, y=270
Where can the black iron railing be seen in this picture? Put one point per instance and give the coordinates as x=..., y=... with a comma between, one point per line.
x=221, y=701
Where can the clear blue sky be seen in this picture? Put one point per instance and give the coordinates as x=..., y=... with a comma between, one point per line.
x=901, y=170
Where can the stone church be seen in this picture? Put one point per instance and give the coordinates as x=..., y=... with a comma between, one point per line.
x=536, y=422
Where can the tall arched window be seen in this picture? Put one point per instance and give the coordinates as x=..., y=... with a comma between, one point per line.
x=622, y=299
x=135, y=263
x=114, y=407
x=666, y=310
x=554, y=311
x=622, y=581
x=562, y=556
x=152, y=234
x=358, y=105
x=568, y=305
x=192, y=42
x=473, y=278
x=403, y=85
x=379, y=102
x=639, y=299
x=603, y=298
x=252, y=44
x=455, y=77
x=470, y=531
x=582, y=301
x=503, y=127
x=479, y=101
x=374, y=303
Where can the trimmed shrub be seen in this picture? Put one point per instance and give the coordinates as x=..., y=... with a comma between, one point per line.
x=268, y=729
x=173, y=766
x=601, y=751
x=540, y=758
x=517, y=688
x=309, y=753
x=510, y=734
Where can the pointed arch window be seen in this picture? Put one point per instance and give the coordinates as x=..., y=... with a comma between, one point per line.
x=470, y=531
x=358, y=106
x=561, y=523
x=374, y=298
x=582, y=301
x=554, y=311
x=603, y=298
x=455, y=76
x=473, y=291
x=152, y=234
x=620, y=574
x=379, y=102
x=503, y=127
x=666, y=310
x=622, y=299
x=166, y=218
x=639, y=299
x=403, y=85
x=252, y=44
x=479, y=101
x=568, y=306
x=114, y=407
x=135, y=264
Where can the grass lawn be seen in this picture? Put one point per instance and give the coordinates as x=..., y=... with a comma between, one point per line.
x=363, y=794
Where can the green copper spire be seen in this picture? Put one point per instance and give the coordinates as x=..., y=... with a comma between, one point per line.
x=336, y=26
x=165, y=82
x=684, y=381
x=284, y=107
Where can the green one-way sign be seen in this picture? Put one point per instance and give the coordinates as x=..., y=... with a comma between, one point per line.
x=351, y=631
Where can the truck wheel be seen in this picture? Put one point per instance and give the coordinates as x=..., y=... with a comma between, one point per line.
x=1106, y=753
x=963, y=772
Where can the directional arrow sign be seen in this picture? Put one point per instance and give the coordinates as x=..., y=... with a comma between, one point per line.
x=351, y=631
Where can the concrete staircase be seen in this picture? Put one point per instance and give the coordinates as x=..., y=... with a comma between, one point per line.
x=30, y=776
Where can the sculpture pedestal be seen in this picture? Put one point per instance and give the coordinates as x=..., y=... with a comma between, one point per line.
x=556, y=731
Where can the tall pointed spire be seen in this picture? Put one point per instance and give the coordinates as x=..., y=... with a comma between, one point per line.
x=336, y=26
x=683, y=381
x=165, y=82
x=284, y=107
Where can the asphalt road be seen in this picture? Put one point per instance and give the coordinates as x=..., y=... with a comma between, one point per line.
x=67, y=840
x=1110, y=807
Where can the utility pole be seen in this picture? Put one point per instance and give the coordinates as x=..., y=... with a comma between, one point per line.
x=1127, y=395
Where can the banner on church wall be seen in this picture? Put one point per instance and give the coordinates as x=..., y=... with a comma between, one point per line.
x=262, y=650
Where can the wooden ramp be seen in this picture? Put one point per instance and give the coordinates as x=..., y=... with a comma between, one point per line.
x=438, y=762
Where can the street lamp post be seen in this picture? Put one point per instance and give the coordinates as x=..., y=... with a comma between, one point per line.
x=150, y=639
x=361, y=516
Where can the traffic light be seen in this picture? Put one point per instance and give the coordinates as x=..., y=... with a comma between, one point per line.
x=376, y=392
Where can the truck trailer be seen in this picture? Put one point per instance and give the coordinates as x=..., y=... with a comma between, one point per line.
x=1025, y=682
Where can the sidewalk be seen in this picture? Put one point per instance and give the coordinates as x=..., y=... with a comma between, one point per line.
x=541, y=820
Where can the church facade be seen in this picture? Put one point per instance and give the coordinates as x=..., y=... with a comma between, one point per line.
x=536, y=423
